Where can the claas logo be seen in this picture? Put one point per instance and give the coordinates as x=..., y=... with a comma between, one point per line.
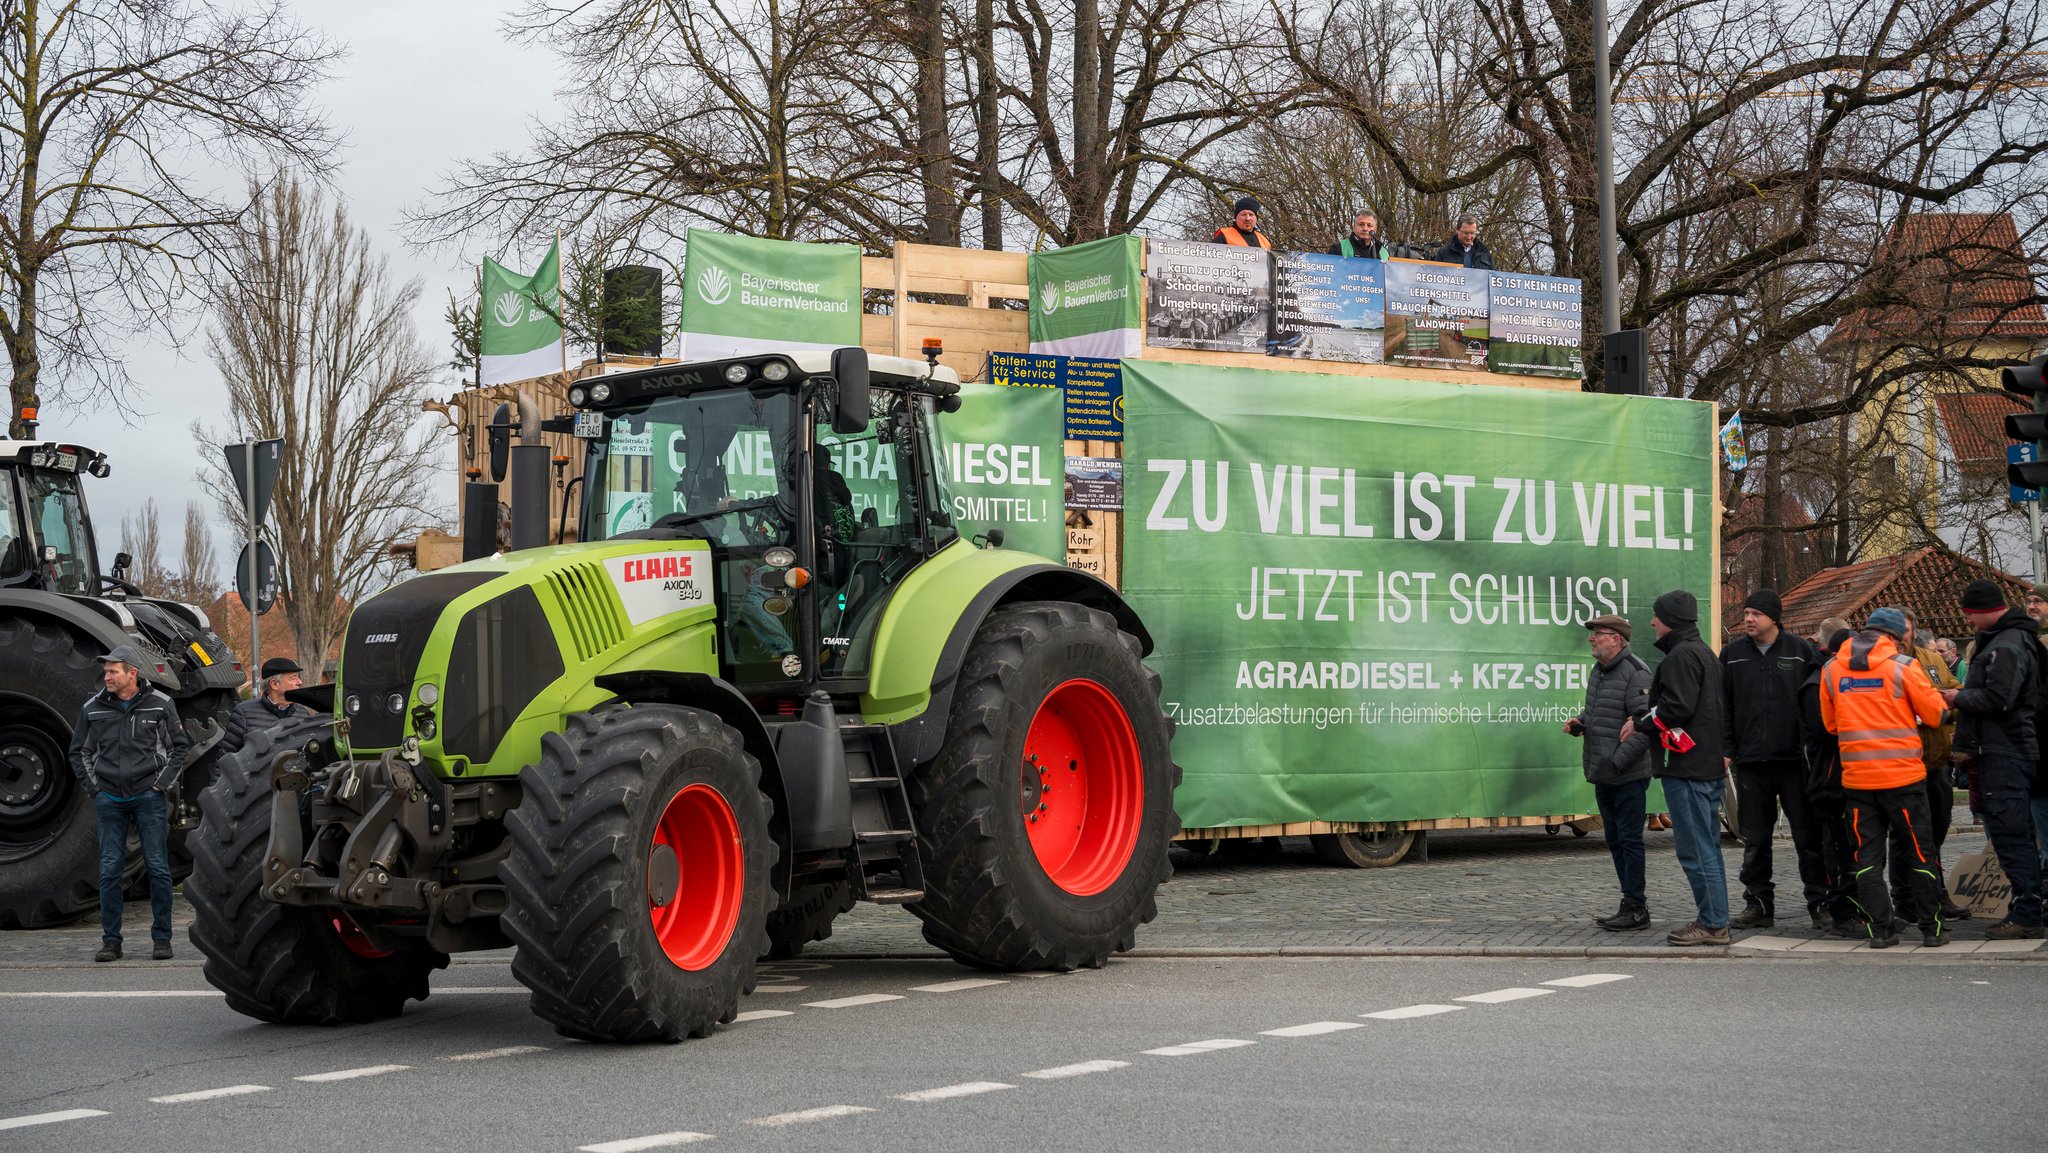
x=654, y=568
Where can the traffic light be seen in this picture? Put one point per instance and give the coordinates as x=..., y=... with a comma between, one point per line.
x=2030, y=382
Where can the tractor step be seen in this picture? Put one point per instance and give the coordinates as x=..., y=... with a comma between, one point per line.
x=895, y=896
x=884, y=835
x=884, y=832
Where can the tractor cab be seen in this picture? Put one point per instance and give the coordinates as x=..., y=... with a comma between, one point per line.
x=814, y=478
x=46, y=539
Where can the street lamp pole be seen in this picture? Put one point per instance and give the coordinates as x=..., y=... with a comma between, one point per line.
x=1603, y=147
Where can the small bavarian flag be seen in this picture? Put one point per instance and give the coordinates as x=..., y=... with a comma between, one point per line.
x=1734, y=447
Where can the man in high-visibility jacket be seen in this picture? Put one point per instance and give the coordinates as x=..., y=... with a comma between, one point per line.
x=1873, y=698
x=1243, y=229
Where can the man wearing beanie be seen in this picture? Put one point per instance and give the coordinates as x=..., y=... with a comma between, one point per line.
x=1243, y=230
x=1995, y=732
x=1684, y=717
x=1619, y=770
x=1761, y=673
x=1871, y=697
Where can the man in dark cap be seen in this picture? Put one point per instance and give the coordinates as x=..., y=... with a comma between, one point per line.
x=1618, y=769
x=1684, y=716
x=1761, y=673
x=268, y=707
x=1996, y=732
x=1243, y=230
x=126, y=750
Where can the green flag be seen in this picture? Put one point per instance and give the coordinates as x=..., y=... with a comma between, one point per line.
x=743, y=294
x=1369, y=603
x=1084, y=299
x=519, y=334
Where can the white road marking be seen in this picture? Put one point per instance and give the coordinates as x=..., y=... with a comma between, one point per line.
x=957, y=986
x=762, y=1015
x=114, y=993
x=50, y=1118
x=1076, y=1070
x=805, y=1116
x=210, y=1094
x=491, y=1054
x=850, y=1002
x=634, y=1144
x=1499, y=996
x=946, y=1092
x=1588, y=980
x=780, y=988
x=1313, y=1028
x=1193, y=1047
x=1408, y=1011
x=352, y=1074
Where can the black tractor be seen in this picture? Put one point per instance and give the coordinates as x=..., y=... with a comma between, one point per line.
x=58, y=614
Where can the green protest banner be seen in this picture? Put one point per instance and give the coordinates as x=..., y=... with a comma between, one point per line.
x=1002, y=454
x=519, y=333
x=743, y=294
x=1084, y=299
x=1368, y=602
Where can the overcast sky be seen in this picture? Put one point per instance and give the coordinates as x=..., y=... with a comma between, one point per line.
x=424, y=85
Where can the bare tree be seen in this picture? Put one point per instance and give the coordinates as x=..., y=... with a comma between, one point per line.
x=116, y=119
x=197, y=581
x=142, y=540
x=317, y=345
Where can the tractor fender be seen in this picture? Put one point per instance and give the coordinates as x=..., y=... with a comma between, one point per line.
x=919, y=738
x=719, y=698
x=103, y=623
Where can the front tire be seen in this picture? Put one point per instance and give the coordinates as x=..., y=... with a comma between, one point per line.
x=637, y=881
x=288, y=964
x=1046, y=817
x=49, y=837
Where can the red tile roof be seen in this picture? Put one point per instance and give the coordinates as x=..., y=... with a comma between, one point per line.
x=1926, y=580
x=1959, y=275
x=1974, y=424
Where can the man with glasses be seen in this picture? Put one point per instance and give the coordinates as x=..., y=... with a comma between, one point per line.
x=1618, y=768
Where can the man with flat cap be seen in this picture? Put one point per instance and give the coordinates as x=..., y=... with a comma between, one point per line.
x=1243, y=229
x=126, y=750
x=1619, y=770
x=1761, y=674
x=268, y=707
x=1995, y=731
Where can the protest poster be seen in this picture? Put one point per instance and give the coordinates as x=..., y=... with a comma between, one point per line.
x=1436, y=315
x=1216, y=297
x=1329, y=308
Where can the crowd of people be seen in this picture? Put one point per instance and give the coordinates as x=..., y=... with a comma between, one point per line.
x=1463, y=247
x=1858, y=736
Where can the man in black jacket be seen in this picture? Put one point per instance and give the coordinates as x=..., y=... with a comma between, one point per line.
x=1761, y=674
x=1464, y=247
x=268, y=708
x=1685, y=717
x=1618, y=769
x=126, y=750
x=1997, y=704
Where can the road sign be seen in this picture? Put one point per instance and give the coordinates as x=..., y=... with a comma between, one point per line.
x=2021, y=454
x=267, y=454
x=266, y=577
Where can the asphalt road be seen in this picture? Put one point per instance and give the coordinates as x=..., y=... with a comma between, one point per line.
x=1846, y=1052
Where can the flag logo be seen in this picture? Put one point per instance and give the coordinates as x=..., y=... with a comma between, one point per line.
x=1049, y=297
x=714, y=285
x=509, y=309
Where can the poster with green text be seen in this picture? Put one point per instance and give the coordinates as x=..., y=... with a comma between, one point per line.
x=1368, y=602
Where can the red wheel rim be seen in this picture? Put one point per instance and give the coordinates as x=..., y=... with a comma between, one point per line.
x=353, y=937
x=695, y=877
x=1083, y=787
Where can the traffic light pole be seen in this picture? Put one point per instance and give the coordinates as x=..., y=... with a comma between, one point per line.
x=2030, y=380
x=255, y=594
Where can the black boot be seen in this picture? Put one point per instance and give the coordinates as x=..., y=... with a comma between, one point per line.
x=1754, y=915
x=1631, y=915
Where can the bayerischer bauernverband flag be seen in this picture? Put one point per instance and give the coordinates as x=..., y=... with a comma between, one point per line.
x=519, y=325
x=744, y=294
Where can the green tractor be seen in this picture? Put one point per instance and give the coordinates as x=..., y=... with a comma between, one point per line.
x=772, y=680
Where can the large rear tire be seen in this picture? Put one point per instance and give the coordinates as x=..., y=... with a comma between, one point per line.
x=1046, y=816
x=806, y=917
x=638, y=877
x=288, y=964
x=49, y=837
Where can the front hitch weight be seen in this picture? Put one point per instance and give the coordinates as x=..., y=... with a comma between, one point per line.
x=288, y=781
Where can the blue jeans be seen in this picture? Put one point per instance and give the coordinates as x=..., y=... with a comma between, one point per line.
x=150, y=816
x=1621, y=816
x=1696, y=826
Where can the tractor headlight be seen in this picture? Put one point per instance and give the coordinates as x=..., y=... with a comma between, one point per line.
x=429, y=694
x=600, y=392
x=775, y=372
x=579, y=396
x=735, y=373
x=395, y=702
x=352, y=704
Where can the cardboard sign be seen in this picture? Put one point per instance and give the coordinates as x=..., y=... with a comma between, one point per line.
x=1083, y=540
x=1979, y=885
x=1090, y=563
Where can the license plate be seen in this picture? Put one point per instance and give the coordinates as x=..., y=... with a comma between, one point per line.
x=590, y=425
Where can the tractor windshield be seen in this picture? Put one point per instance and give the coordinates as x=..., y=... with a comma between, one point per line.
x=718, y=464
x=61, y=536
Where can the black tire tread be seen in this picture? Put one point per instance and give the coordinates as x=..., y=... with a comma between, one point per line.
x=806, y=917
x=61, y=882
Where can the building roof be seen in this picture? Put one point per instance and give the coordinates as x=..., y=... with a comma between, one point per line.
x=1959, y=276
x=1973, y=423
x=1927, y=580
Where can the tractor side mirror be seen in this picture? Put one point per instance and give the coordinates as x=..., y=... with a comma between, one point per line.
x=850, y=371
x=498, y=436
